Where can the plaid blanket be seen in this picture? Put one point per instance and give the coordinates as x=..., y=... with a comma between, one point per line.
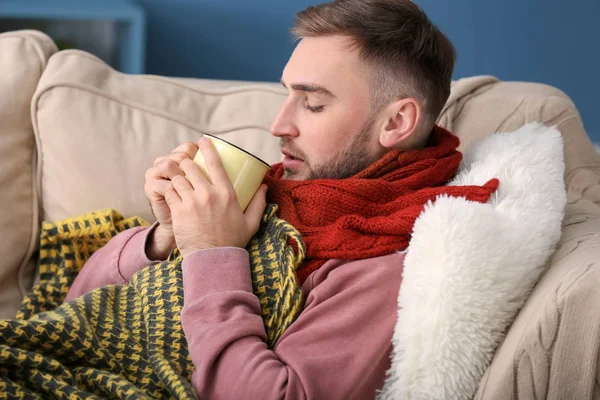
x=126, y=341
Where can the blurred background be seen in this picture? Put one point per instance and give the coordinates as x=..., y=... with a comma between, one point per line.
x=549, y=41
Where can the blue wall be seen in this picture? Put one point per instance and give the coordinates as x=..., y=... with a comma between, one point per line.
x=550, y=41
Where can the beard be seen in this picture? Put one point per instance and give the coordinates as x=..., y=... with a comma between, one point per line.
x=346, y=162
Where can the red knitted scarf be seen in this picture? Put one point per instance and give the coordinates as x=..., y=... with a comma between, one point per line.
x=373, y=212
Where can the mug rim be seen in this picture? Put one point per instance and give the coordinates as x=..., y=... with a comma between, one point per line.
x=237, y=147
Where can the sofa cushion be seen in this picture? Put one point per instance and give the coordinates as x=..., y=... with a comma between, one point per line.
x=99, y=130
x=23, y=58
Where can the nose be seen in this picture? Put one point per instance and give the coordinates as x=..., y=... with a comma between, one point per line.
x=284, y=125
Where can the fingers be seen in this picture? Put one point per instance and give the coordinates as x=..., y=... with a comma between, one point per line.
x=182, y=186
x=255, y=209
x=180, y=153
x=167, y=169
x=172, y=198
x=195, y=175
x=214, y=165
x=188, y=148
x=176, y=157
x=157, y=187
x=159, y=178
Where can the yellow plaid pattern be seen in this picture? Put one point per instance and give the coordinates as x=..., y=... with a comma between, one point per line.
x=126, y=341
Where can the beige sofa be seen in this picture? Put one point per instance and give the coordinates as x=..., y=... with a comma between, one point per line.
x=76, y=136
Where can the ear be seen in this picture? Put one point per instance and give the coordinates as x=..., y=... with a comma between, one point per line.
x=400, y=121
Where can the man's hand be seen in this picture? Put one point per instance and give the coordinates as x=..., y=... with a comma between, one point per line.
x=158, y=182
x=207, y=215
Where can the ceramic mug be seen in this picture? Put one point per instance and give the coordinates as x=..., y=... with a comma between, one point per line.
x=245, y=171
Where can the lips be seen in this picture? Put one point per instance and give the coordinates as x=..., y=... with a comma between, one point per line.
x=290, y=155
x=291, y=162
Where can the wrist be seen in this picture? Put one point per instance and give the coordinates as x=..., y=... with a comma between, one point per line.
x=160, y=243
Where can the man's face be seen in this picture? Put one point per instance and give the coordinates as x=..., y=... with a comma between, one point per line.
x=326, y=127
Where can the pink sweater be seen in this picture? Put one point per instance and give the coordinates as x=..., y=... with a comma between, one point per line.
x=338, y=348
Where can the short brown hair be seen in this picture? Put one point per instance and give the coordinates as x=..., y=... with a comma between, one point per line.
x=408, y=55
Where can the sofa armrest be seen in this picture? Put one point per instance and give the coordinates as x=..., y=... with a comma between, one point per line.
x=551, y=350
x=23, y=57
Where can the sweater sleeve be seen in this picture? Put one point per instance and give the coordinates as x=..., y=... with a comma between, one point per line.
x=338, y=348
x=114, y=263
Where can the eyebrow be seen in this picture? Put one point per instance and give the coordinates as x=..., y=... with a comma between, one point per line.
x=304, y=87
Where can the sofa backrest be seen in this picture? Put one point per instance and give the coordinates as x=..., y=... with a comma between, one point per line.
x=479, y=106
x=23, y=57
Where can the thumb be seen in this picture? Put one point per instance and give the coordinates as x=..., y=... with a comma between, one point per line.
x=255, y=209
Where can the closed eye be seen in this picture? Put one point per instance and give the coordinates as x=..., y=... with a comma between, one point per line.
x=314, y=109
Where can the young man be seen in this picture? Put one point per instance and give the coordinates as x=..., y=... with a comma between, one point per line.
x=366, y=82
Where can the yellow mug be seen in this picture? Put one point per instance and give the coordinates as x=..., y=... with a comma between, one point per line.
x=245, y=171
